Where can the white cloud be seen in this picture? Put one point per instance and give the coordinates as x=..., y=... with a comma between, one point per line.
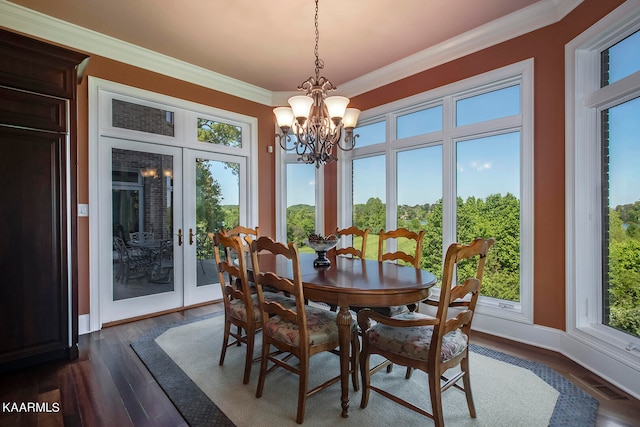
x=481, y=166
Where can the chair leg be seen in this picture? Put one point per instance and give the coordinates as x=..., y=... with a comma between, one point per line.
x=464, y=365
x=355, y=355
x=249, y=358
x=263, y=368
x=302, y=388
x=365, y=374
x=225, y=341
x=407, y=375
x=436, y=399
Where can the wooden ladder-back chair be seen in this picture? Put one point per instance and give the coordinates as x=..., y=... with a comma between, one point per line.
x=299, y=331
x=401, y=233
x=431, y=344
x=243, y=232
x=240, y=309
x=352, y=250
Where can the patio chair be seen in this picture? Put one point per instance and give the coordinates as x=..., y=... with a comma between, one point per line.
x=128, y=262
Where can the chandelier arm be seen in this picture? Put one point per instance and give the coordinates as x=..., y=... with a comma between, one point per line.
x=284, y=141
x=349, y=140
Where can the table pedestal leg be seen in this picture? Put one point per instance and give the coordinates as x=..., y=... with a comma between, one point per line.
x=344, y=331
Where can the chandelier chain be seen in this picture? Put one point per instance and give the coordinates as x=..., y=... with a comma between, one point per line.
x=319, y=63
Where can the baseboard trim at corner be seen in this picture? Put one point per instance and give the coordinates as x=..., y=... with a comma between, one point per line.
x=84, y=324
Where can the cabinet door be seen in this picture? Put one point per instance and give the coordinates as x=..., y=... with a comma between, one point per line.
x=34, y=273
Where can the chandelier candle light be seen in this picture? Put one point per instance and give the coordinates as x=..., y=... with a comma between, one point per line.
x=317, y=120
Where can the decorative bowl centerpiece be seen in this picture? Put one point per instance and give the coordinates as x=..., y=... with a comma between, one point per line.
x=321, y=245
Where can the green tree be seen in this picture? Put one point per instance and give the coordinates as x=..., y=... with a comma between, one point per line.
x=208, y=210
x=301, y=221
x=498, y=216
x=370, y=215
x=623, y=278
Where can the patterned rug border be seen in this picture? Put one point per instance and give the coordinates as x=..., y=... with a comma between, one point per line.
x=194, y=406
x=573, y=408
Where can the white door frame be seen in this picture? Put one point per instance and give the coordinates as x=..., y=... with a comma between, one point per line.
x=185, y=136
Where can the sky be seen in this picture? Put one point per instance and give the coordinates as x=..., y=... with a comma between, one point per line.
x=624, y=127
x=228, y=182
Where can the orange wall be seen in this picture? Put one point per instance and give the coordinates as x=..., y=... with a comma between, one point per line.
x=546, y=46
x=122, y=73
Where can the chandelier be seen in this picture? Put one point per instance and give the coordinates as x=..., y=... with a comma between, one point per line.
x=316, y=120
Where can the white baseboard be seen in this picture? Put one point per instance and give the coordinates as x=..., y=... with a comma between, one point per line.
x=611, y=369
x=84, y=324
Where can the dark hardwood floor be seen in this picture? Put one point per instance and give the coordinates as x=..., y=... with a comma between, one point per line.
x=109, y=386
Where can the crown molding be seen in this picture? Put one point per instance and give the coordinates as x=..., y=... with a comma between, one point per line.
x=538, y=15
x=39, y=25
x=531, y=18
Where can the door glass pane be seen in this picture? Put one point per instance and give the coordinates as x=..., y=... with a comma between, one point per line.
x=142, y=218
x=369, y=199
x=213, y=132
x=301, y=203
x=488, y=106
x=420, y=200
x=217, y=206
x=621, y=264
x=488, y=205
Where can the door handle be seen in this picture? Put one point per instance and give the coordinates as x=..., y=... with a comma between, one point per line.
x=191, y=235
x=180, y=237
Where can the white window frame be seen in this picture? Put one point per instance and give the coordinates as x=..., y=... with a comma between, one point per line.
x=519, y=73
x=584, y=102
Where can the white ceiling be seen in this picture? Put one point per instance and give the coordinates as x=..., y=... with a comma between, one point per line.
x=269, y=44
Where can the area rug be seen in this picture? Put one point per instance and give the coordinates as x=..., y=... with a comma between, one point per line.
x=508, y=391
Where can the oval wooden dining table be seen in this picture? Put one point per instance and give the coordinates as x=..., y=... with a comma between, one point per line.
x=354, y=282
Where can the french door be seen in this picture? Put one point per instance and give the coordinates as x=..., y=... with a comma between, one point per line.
x=214, y=198
x=161, y=205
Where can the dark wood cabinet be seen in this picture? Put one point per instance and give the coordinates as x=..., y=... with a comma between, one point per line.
x=38, y=203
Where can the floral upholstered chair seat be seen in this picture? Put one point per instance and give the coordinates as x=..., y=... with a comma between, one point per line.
x=414, y=342
x=238, y=310
x=321, y=325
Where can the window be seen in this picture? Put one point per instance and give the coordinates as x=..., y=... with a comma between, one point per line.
x=603, y=201
x=128, y=115
x=621, y=217
x=368, y=197
x=213, y=132
x=457, y=163
x=301, y=202
x=488, y=204
x=419, y=191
